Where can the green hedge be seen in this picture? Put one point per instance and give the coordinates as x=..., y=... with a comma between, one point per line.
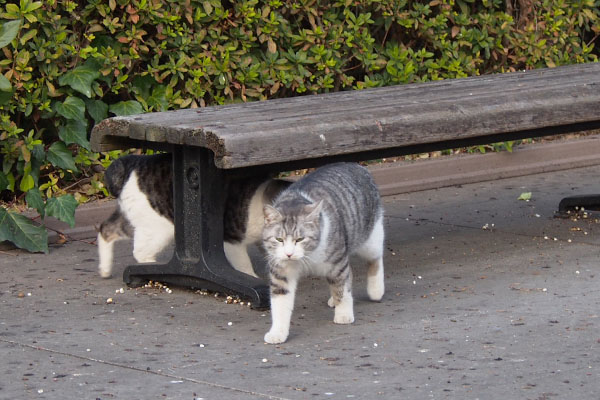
x=68, y=64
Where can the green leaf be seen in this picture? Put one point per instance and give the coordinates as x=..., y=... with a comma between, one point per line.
x=72, y=108
x=74, y=132
x=60, y=156
x=142, y=84
x=8, y=32
x=3, y=181
x=80, y=79
x=123, y=108
x=28, y=36
x=32, y=6
x=62, y=208
x=6, y=96
x=525, y=196
x=5, y=85
x=97, y=109
x=22, y=232
x=11, y=181
x=39, y=153
x=26, y=183
x=34, y=200
x=158, y=99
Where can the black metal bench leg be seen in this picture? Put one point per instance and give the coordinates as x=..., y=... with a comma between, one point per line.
x=199, y=260
x=573, y=203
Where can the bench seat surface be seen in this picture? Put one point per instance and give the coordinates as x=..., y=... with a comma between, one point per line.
x=307, y=127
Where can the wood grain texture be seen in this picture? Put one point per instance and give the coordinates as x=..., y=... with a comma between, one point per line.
x=315, y=126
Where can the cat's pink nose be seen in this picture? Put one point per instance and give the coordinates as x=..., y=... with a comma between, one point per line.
x=289, y=255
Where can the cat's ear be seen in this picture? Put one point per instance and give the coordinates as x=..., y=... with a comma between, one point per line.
x=313, y=211
x=272, y=215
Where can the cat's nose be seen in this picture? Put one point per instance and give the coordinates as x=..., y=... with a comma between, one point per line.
x=289, y=255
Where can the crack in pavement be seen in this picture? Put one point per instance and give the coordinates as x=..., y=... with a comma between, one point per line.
x=425, y=220
x=162, y=374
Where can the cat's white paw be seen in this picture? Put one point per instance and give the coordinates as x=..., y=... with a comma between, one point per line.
x=143, y=260
x=343, y=318
x=104, y=272
x=330, y=302
x=276, y=337
x=375, y=290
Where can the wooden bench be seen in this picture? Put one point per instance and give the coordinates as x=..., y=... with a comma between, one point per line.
x=213, y=144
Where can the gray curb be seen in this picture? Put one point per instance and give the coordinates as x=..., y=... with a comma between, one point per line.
x=453, y=170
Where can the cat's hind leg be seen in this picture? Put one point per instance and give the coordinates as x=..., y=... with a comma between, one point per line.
x=375, y=280
x=114, y=228
x=237, y=255
x=340, y=286
x=151, y=237
x=372, y=252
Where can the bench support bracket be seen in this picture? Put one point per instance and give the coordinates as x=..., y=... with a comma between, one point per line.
x=199, y=192
x=574, y=203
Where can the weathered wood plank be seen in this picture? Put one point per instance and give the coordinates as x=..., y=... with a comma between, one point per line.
x=284, y=130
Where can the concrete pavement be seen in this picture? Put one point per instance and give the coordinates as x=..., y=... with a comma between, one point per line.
x=488, y=297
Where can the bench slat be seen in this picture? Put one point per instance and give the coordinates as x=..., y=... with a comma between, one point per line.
x=284, y=130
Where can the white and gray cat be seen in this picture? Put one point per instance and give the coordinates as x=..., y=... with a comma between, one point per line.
x=312, y=228
x=143, y=186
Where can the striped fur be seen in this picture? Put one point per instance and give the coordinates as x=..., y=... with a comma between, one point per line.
x=312, y=228
x=144, y=188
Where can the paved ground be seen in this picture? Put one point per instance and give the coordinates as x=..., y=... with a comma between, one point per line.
x=469, y=313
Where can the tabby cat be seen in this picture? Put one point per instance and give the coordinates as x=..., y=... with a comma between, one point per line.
x=143, y=186
x=312, y=228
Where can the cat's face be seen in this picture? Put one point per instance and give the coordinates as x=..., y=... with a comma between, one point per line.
x=291, y=234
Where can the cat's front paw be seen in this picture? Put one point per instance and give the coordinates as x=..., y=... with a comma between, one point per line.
x=330, y=302
x=343, y=318
x=105, y=272
x=276, y=337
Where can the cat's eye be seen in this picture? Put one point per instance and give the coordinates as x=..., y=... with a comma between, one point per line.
x=279, y=240
x=299, y=239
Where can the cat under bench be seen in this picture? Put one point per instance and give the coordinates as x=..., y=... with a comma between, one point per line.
x=214, y=147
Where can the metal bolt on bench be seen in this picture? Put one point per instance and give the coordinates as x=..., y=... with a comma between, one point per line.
x=214, y=144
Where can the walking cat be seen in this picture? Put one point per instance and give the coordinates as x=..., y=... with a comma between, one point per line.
x=312, y=228
x=143, y=186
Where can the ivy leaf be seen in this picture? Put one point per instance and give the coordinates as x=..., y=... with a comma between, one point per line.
x=142, y=84
x=72, y=108
x=80, y=79
x=3, y=181
x=60, y=156
x=62, y=208
x=9, y=31
x=74, y=132
x=123, y=108
x=34, y=200
x=22, y=232
x=39, y=153
x=158, y=99
x=5, y=85
x=97, y=109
